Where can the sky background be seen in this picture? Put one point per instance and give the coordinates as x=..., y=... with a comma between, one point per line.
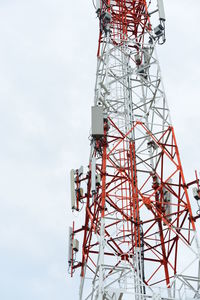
x=47, y=75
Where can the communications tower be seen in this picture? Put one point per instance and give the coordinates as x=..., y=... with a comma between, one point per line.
x=138, y=238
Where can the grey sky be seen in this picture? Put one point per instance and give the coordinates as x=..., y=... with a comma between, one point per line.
x=47, y=74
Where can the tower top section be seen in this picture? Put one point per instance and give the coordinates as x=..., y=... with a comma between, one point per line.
x=123, y=21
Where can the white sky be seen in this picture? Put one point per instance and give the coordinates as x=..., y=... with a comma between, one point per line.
x=47, y=74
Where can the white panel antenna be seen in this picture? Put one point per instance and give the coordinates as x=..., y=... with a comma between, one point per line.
x=70, y=245
x=98, y=5
x=73, y=191
x=93, y=175
x=161, y=10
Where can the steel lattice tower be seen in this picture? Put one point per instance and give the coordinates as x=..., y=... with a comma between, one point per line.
x=138, y=221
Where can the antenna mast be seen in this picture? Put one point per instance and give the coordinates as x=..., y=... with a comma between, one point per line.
x=138, y=221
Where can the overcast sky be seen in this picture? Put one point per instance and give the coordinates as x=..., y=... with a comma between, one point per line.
x=47, y=74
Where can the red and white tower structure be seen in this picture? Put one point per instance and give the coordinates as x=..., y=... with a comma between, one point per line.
x=138, y=238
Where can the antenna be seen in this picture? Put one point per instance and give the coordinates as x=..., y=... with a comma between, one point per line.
x=161, y=10
x=73, y=192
